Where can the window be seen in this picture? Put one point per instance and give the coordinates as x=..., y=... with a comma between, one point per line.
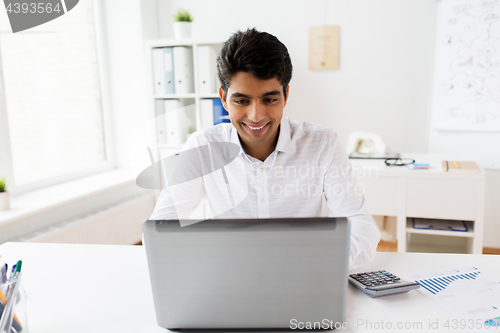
x=52, y=100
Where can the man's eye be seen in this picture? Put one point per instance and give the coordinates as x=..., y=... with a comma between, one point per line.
x=240, y=101
x=271, y=100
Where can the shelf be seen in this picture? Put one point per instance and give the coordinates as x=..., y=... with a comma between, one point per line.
x=469, y=233
x=179, y=96
x=433, y=243
x=180, y=42
x=175, y=96
x=214, y=95
x=435, y=248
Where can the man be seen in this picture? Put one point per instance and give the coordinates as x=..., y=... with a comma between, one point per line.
x=284, y=168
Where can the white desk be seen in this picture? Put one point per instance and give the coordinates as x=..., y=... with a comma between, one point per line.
x=432, y=194
x=106, y=288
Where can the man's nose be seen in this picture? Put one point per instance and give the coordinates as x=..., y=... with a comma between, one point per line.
x=256, y=112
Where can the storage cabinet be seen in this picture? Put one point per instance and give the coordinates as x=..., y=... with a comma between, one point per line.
x=432, y=194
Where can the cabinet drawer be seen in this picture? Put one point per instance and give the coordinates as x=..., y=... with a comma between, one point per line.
x=381, y=195
x=442, y=198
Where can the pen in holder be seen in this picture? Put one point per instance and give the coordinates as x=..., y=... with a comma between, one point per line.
x=13, y=317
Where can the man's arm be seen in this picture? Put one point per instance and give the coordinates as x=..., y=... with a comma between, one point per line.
x=345, y=199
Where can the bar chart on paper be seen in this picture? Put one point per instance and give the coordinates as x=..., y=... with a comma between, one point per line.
x=438, y=284
x=467, y=292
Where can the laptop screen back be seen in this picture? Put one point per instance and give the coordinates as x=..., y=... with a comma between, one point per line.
x=261, y=273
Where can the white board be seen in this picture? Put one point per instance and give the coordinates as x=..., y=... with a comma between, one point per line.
x=467, y=66
x=465, y=119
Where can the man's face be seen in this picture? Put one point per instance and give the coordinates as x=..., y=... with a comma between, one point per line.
x=255, y=109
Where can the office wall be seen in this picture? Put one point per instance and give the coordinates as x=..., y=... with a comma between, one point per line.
x=386, y=55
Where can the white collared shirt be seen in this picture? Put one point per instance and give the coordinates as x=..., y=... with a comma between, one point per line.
x=308, y=163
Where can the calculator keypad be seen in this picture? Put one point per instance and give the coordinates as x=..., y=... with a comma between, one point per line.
x=376, y=278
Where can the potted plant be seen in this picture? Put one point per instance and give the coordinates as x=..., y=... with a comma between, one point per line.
x=4, y=196
x=182, y=24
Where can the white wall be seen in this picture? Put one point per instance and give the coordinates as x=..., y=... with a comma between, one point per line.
x=386, y=53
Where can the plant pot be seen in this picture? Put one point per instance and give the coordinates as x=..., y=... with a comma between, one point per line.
x=4, y=201
x=182, y=30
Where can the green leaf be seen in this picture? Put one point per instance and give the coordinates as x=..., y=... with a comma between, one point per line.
x=2, y=185
x=182, y=15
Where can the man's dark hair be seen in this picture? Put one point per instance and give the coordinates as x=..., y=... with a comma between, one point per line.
x=258, y=53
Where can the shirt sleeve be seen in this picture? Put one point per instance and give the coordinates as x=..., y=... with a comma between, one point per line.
x=345, y=198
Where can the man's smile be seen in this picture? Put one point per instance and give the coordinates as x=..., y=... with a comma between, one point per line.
x=256, y=129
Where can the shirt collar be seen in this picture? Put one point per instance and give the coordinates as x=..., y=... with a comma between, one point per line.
x=284, y=139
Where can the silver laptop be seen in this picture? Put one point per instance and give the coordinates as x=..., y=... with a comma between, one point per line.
x=244, y=274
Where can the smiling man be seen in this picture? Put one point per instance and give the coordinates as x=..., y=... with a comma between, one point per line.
x=284, y=168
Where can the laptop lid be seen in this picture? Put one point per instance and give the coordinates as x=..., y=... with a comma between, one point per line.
x=255, y=273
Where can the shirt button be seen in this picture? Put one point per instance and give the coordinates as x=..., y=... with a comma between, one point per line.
x=263, y=199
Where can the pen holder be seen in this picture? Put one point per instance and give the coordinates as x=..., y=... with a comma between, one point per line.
x=13, y=318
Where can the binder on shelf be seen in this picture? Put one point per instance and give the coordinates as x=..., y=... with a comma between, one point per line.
x=207, y=113
x=168, y=64
x=220, y=114
x=177, y=122
x=183, y=69
x=434, y=224
x=207, y=70
x=158, y=71
x=161, y=131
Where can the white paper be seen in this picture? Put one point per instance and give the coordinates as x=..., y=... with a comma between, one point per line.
x=467, y=66
x=465, y=292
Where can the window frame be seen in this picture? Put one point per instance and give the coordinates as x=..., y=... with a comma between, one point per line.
x=6, y=161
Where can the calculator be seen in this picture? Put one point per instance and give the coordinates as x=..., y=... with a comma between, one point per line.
x=381, y=283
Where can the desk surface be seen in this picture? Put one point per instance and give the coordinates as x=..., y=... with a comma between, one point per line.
x=435, y=170
x=106, y=288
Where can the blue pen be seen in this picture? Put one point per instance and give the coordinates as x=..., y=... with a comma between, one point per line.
x=12, y=273
x=11, y=278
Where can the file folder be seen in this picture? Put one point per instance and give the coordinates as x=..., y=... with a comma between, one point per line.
x=168, y=64
x=172, y=122
x=158, y=71
x=220, y=114
x=207, y=69
x=178, y=119
x=207, y=113
x=161, y=131
x=183, y=70
x=436, y=224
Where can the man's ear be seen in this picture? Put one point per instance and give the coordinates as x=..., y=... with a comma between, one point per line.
x=223, y=98
x=287, y=94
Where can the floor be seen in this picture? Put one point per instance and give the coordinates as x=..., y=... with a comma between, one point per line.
x=393, y=247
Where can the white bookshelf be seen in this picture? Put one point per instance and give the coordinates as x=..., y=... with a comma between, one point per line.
x=426, y=194
x=186, y=98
